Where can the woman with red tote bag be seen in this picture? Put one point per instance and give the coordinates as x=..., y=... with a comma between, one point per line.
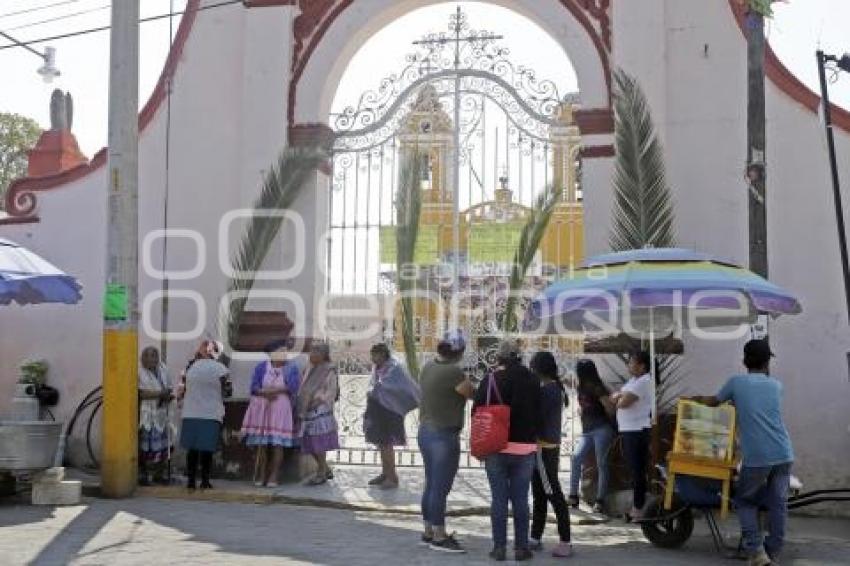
x=509, y=470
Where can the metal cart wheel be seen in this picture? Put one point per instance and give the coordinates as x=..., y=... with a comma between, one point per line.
x=667, y=529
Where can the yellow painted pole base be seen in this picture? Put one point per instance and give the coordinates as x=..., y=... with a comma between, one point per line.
x=119, y=428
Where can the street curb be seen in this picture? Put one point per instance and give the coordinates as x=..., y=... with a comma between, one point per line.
x=225, y=496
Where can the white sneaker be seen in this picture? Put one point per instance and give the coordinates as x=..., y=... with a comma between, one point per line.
x=760, y=559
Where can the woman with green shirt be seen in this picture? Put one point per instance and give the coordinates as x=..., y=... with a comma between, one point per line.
x=445, y=391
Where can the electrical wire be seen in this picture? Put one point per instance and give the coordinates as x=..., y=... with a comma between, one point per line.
x=29, y=42
x=88, y=433
x=165, y=282
x=60, y=18
x=38, y=8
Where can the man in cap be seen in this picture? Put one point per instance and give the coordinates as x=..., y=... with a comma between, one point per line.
x=766, y=452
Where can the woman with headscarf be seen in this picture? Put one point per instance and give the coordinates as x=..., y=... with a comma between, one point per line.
x=391, y=396
x=203, y=412
x=315, y=406
x=154, y=423
x=269, y=423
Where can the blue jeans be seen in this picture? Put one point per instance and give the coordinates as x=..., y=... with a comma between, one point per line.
x=763, y=487
x=599, y=439
x=440, y=448
x=510, y=478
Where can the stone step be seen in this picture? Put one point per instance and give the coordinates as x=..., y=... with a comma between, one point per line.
x=65, y=492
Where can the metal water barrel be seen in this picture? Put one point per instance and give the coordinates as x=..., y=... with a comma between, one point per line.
x=28, y=445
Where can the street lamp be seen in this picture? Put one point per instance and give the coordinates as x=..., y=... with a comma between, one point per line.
x=843, y=64
x=48, y=70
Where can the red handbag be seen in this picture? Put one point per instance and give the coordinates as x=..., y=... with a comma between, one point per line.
x=491, y=425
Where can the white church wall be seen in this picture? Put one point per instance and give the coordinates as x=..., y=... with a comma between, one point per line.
x=68, y=337
x=705, y=125
x=223, y=133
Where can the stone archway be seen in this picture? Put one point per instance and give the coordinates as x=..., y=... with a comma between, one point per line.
x=327, y=34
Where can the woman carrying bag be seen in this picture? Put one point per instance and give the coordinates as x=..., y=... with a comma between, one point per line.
x=510, y=464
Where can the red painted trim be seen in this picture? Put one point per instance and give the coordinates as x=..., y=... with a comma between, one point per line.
x=13, y=220
x=267, y=3
x=786, y=81
x=595, y=120
x=21, y=200
x=300, y=64
x=596, y=151
x=578, y=11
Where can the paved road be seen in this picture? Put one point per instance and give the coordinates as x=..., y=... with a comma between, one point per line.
x=152, y=531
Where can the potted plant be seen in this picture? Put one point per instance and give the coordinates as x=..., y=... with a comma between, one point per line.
x=33, y=372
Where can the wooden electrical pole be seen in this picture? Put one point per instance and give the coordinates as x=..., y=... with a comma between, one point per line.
x=756, y=146
x=121, y=313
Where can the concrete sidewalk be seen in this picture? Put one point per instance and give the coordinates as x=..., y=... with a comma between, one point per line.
x=350, y=490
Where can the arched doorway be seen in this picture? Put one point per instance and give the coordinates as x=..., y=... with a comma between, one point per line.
x=493, y=137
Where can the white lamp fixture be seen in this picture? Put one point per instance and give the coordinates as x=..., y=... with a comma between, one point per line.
x=49, y=71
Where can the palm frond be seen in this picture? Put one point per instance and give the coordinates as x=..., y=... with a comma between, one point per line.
x=529, y=242
x=408, y=212
x=281, y=187
x=643, y=213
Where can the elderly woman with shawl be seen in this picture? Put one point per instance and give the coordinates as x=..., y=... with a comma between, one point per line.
x=154, y=420
x=392, y=395
x=269, y=422
x=319, y=391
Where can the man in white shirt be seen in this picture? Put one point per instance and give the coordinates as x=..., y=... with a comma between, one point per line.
x=634, y=411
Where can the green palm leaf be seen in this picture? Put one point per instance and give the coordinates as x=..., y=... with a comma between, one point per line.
x=529, y=242
x=643, y=201
x=408, y=212
x=281, y=187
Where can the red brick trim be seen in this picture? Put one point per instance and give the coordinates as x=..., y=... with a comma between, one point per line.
x=787, y=81
x=21, y=199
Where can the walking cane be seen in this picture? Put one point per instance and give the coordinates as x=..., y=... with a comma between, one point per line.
x=168, y=426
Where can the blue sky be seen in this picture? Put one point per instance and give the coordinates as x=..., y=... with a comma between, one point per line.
x=799, y=27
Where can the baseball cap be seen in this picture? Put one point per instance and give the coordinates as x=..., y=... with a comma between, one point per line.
x=455, y=340
x=758, y=351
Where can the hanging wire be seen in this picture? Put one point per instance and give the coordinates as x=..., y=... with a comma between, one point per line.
x=38, y=8
x=169, y=83
x=60, y=18
x=29, y=42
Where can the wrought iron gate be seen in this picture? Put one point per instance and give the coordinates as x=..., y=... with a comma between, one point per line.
x=495, y=136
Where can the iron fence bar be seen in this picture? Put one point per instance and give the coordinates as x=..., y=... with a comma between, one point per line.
x=356, y=217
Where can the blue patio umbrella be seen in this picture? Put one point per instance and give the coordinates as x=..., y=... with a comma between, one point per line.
x=27, y=279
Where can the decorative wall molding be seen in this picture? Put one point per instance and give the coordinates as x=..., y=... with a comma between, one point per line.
x=21, y=199
x=786, y=81
x=316, y=17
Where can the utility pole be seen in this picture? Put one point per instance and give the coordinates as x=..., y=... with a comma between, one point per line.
x=121, y=314
x=756, y=155
x=843, y=64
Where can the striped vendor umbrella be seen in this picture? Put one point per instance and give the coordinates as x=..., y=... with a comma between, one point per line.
x=652, y=290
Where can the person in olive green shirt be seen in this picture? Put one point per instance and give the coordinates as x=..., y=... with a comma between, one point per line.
x=445, y=391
